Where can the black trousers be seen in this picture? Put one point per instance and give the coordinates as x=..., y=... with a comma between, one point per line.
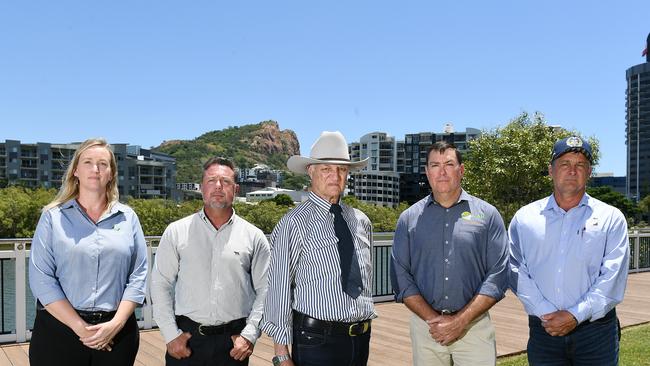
x=207, y=350
x=53, y=344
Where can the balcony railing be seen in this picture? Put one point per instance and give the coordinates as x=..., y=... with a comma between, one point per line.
x=17, y=304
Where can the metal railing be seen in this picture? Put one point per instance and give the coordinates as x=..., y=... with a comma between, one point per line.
x=17, y=305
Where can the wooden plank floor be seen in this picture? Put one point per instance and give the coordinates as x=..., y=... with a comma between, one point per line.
x=390, y=343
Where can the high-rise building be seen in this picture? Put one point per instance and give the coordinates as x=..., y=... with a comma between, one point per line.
x=378, y=182
x=414, y=184
x=395, y=172
x=141, y=173
x=638, y=128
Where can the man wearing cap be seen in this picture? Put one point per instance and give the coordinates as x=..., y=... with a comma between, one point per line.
x=569, y=260
x=209, y=279
x=449, y=266
x=319, y=296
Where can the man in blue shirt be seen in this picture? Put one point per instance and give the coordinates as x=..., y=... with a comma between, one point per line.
x=569, y=260
x=449, y=266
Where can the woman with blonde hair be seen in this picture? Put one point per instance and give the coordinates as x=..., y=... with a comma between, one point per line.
x=87, y=268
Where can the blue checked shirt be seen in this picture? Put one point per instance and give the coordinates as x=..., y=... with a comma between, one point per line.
x=576, y=260
x=449, y=255
x=94, y=266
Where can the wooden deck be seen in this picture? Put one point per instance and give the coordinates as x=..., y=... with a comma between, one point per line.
x=390, y=344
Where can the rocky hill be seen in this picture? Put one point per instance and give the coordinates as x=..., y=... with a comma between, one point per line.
x=262, y=143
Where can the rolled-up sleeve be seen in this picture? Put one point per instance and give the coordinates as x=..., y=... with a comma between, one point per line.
x=404, y=284
x=259, y=276
x=163, y=280
x=136, y=286
x=496, y=279
x=42, y=265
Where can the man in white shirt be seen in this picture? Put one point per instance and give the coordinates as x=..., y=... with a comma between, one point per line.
x=209, y=280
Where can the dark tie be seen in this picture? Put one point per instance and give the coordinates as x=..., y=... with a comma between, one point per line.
x=350, y=273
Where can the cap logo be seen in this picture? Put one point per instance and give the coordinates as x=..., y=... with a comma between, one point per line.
x=574, y=141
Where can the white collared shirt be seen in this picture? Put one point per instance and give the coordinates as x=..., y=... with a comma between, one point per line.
x=210, y=276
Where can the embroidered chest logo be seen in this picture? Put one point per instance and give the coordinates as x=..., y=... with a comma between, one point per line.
x=474, y=219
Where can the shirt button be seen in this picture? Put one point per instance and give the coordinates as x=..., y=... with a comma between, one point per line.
x=558, y=290
x=447, y=210
x=446, y=224
x=446, y=297
x=446, y=241
x=359, y=288
x=446, y=260
x=559, y=271
x=446, y=278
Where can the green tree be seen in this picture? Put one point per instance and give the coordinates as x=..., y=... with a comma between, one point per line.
x=156, y=214
x=283, y=200
x=294, y=181
x=20, y=210
x=611, y=197
x=384, y=219
x=508, y=166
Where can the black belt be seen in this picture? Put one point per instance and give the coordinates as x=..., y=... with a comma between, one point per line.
x=446, y=312
x=90, y=317
x=233, y=327
x=96, y=317
x=301, y=320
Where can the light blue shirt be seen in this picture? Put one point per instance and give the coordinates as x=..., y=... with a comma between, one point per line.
x=575, y=261
x=94, y=266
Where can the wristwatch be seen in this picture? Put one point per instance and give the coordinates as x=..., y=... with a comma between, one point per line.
x=278, y=359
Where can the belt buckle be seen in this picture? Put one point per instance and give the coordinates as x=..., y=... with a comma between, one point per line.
x=353, y=329
x=445, y=312
x=201, y=330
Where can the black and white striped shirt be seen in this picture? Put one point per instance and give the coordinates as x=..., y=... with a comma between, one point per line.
x=304, y=272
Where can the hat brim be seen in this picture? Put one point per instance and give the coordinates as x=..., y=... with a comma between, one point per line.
x=298, y=164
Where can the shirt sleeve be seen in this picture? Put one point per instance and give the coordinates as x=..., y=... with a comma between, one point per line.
x=519, y=277
x=496, y=278
x=42, y=264
x=609, y=287
x=259, y=276
x=163, y=281
x=136, y=286
x=404, y=284
x=282, y=269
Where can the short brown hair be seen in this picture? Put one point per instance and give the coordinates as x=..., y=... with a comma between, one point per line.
x=441, y=147
x=217, y=160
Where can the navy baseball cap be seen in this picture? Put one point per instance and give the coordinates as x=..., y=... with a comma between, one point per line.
x=571, y=144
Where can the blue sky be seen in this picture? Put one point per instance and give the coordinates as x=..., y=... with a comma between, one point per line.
x=141, y=72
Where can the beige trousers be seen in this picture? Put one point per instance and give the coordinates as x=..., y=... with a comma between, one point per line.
x=476, y=348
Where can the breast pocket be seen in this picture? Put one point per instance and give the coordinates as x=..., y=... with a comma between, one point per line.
x=594, y=242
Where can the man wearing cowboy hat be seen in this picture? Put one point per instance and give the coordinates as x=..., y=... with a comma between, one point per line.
x=569, y=259
x=319, y=296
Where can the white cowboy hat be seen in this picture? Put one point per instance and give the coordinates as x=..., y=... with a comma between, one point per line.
x=330, y=148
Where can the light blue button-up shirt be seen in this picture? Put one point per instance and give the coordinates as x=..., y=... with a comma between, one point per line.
x=575, y=261
x=94, y=266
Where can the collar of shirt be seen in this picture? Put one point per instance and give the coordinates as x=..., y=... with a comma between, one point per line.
x=320, y=202
x=553, y=206
x=464, y=196
x=207, y=221
x=115, y=208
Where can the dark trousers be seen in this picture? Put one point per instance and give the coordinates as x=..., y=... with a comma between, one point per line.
x=207, y=350
x=313, y=347
x=53, y=344
x=590, y=343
